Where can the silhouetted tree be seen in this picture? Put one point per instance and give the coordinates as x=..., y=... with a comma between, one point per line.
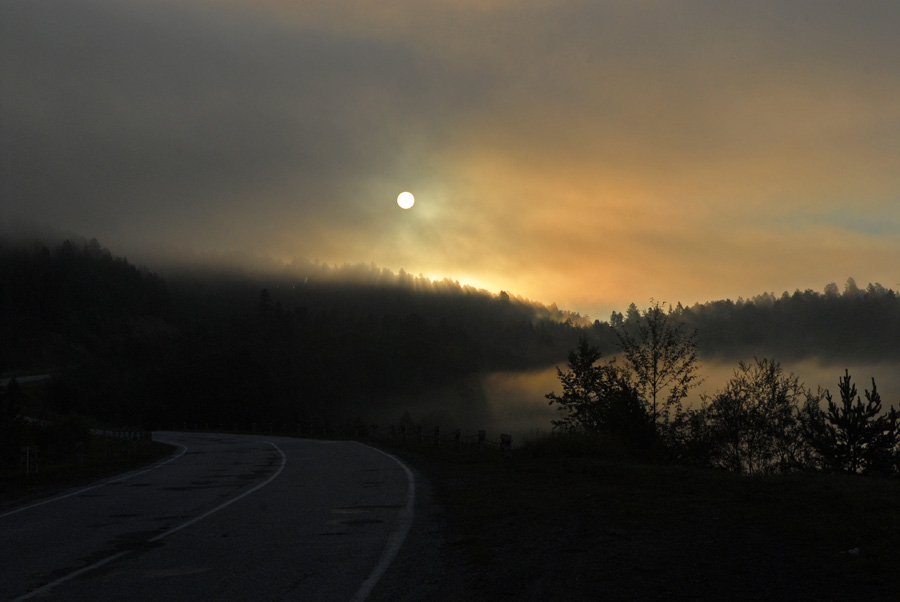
x=661, y=356
x=264, y=306
x=753, y=422
x=852, y=436
x=858, y=324
x=599, y=397
x=581, y=386
x=690, y=438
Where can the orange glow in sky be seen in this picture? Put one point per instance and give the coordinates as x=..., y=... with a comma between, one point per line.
x=584, y=154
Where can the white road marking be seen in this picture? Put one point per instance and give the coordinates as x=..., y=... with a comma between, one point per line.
x=231, y=501
x=395, y=540
x=97, y=486
x=43, y=589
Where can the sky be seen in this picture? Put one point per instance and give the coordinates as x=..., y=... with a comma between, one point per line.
x=585, y=153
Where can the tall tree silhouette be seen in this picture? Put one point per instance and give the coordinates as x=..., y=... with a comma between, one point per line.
x=600, y=397
x=662, y=356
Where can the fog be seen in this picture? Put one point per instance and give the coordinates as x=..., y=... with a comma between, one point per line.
x=518, y=404
x=338, y=344
x=583, y=153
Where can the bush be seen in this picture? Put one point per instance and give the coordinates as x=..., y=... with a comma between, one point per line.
x=752, y=424
x=599, y=398
x=574, y=444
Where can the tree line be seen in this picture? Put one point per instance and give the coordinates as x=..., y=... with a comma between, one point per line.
x=318, y=347
x=856, y=323
x=762, y=421
x=228, y=350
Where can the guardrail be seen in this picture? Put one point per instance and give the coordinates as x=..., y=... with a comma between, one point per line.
x=127, y=442
x=118, y=442
x=457, y=440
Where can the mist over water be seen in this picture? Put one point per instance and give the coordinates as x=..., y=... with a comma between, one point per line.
x=518, y=404
x=517, y=400
x=814, y=373
x=327, y=346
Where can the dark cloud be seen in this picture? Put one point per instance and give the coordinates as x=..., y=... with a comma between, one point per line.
x=121, y=112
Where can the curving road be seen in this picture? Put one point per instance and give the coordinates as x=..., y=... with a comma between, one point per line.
x=227, y=517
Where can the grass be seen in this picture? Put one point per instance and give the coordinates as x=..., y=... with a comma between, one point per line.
x=570, y=520
x=102, y=456
x=59, y=464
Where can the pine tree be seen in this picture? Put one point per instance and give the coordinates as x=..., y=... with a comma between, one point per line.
x=852, y=436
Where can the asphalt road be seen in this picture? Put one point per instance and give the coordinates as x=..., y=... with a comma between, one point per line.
x=227, y=517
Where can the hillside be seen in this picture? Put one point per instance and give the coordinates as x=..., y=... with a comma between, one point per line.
x=858, y=324
x=315, y=349
x=322, y=348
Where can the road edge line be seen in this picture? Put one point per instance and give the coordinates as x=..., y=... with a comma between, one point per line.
x=47, y=587
x=397, y=537
x=257, y=487
x=125, y=477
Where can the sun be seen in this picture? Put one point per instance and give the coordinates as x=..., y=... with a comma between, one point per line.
x=406, y=200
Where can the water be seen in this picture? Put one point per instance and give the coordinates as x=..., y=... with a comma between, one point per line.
x=518, y=404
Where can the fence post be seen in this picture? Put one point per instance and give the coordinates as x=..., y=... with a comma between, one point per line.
x=29, y=460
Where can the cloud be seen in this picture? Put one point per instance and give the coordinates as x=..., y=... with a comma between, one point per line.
x=590, y=153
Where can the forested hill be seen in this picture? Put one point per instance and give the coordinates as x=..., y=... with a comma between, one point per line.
x=853, y=324
x=510, y=332
x=226, y=349
x=64, y=304
x=320, y=345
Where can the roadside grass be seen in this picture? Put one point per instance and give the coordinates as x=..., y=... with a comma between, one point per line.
x=59, y=464
x=102, y=456
x=565, y=520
